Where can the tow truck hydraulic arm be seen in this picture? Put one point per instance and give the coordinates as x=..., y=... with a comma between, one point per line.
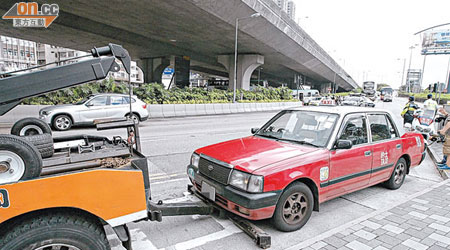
x=16, y=88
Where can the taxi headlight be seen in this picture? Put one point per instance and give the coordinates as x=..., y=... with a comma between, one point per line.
x=247, y=182
x=195, y=158
x=239, y=179
x=256, y=184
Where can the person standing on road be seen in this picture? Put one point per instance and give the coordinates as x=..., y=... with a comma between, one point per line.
x=430, y=103
x=446, y=147
x=408, y=111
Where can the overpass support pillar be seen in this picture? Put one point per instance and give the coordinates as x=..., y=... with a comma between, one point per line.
x=245, y=67
x=153, y=68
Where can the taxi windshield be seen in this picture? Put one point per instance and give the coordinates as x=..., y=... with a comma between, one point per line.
x=302, y=127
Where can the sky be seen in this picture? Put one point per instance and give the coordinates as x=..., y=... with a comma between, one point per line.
x=371, y=39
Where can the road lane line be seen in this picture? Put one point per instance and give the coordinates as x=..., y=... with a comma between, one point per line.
x=167, y=176
x=228, y=230
x=140, y=241
x=168, y=181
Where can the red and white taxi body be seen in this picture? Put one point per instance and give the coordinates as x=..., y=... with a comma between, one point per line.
x=331, y=151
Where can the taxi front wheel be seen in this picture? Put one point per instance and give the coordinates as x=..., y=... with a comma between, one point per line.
x=294, y=208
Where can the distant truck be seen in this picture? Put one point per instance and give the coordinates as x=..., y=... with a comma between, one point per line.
x=369, y=88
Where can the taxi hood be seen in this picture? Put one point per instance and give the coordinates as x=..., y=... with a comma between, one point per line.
x=253, y=152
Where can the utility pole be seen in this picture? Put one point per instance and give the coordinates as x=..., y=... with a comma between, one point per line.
x=423, y=70
x=409, y=68
x=403, y=72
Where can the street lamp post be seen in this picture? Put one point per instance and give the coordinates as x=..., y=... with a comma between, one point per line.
x=236, y=51
x=409, y=68
x=403, y=72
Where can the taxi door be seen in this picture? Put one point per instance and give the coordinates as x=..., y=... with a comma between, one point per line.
x=350, y=168
x=387, y=146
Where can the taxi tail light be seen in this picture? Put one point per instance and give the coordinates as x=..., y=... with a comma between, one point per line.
x=144, y=106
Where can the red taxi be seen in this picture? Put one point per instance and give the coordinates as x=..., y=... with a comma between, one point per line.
x=301, y=158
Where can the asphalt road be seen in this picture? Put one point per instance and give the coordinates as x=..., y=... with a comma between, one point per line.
x=168, y=143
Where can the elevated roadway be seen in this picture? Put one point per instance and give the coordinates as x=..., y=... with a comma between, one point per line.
x=198, y=31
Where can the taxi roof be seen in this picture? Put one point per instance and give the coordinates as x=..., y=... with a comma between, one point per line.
x=340, y=110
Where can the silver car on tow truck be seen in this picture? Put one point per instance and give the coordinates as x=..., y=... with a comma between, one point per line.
x=94, y=107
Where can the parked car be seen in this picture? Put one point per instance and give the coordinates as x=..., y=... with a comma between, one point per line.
x=315, y=101
x=301, y=158
x=100, y=106
x=368, y=102
x=361, y=101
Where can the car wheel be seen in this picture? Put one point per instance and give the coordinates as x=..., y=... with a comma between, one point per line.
x=294, y=208
x=54, y=230
x=134, y=117
x=397, y=176
x=62, y=122
x=19, y=159
x=30, y=126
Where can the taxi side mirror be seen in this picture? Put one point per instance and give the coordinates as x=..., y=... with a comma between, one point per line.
x=343, y=144
x=254, y=130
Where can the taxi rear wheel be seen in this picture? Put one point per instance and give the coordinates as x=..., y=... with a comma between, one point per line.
x=397, y=176
x=294, y=208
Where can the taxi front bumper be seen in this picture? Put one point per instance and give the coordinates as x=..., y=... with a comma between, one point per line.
x=253, y=206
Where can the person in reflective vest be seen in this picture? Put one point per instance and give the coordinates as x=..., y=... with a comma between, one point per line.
x=430, y=103
x=408, y=111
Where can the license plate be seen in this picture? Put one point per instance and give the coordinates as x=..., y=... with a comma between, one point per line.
x=208, y=191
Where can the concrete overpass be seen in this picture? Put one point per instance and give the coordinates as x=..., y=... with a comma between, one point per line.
x=192, y=33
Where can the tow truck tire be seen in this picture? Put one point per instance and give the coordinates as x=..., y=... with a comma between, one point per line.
x=19, y=159
x=397, y=176
x=30, y=126
x=44, y=143
x=294, y=208
x=51, y=230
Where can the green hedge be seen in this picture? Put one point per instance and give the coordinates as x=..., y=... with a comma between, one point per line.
x=154, y=93
x=420, y=97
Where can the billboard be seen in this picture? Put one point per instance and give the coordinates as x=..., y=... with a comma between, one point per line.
x=436, y=42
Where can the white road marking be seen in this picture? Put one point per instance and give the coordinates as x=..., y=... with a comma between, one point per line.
x=164, y=182
x=229, y=229
x=166, y=176
x=140, y=241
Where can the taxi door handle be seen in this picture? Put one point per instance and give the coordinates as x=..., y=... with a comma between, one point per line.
x=398, y=146
x=368, y=153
